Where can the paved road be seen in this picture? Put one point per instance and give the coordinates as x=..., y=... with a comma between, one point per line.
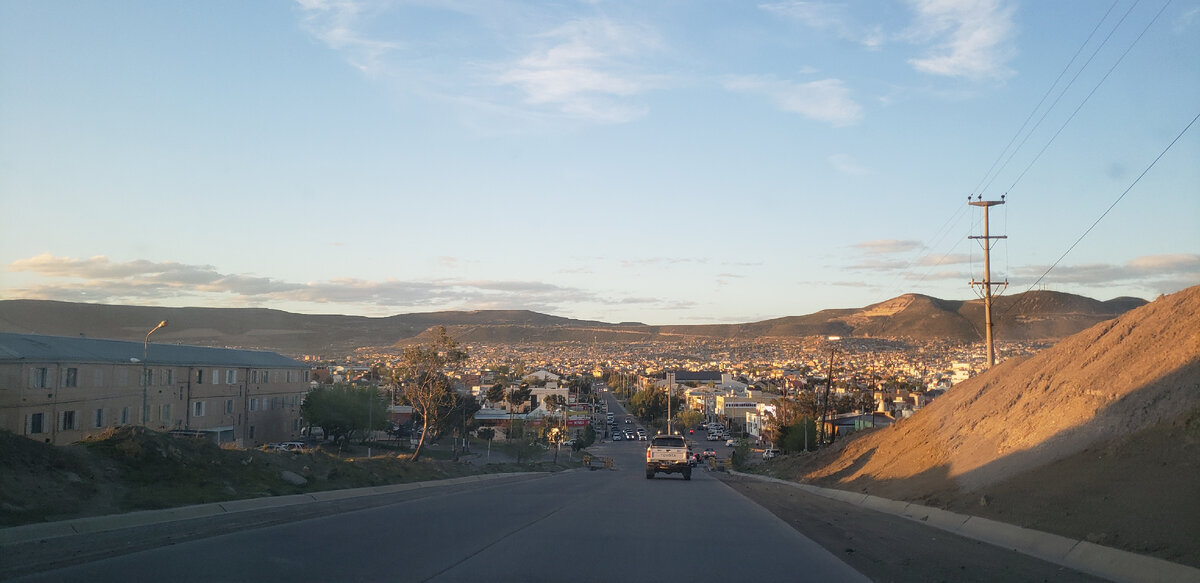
x=611, y=526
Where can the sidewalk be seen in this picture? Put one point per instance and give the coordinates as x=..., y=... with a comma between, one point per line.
x=1083, y=556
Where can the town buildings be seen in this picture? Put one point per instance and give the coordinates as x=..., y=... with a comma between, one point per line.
x=58, y=389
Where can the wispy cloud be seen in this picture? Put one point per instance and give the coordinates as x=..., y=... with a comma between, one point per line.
x=829, y=16
x=885, y=246
x=340, y=25
x=826, y=100
x=846, y=164
x=969, y=38
x=586, y=68
x=661, y=261
x=99, y=279
x=1159, y=273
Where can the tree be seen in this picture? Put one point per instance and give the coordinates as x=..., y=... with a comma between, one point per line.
x=554, y=402
x=797, y=436
x=460, y=415
x=342, y=409
x=516, y=397
x=585, y=439
x=688, y=418
x=422, y=372
x=495, y=394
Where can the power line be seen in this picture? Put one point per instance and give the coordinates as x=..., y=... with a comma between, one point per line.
x=1090, y=94
x=1110, y=207
x=984, y=181
x=980, y=187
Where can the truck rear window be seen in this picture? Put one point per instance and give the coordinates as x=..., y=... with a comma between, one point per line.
x=667, y=441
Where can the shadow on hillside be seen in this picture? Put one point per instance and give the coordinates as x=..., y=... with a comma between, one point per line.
x=852, y=467
x=1105, y=480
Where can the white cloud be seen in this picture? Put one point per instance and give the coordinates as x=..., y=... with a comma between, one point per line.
x=829, y=16
x=1158, y=272
x=99, y=279
x=585, y=69
x=885, y=246
x=339, y=24
x=827, y=100
x=971, y=38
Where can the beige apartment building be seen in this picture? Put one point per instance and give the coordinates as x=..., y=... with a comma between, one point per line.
x=58, y=389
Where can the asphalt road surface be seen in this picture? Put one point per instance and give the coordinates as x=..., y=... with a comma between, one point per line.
x=604, y=525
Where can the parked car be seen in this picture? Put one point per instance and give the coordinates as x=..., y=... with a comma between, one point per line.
x=770, y=453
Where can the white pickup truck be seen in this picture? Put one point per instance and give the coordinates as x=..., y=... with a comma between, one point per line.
x=668, y=454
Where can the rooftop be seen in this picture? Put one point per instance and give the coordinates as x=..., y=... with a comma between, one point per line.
x=39, y=348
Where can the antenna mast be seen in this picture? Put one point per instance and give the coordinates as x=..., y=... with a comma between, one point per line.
x=987, y=282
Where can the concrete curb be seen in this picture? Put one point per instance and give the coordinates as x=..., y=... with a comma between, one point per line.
x=1090, y=558
x=95, y=524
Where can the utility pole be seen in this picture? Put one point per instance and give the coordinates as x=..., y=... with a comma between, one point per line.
x=987, y=282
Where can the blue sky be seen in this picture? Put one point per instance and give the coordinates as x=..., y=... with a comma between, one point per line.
x=664, y=162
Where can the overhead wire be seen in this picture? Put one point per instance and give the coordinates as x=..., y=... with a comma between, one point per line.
x=981, y=186
x=1110, y=207
x=984, y=181
x=1090, y=93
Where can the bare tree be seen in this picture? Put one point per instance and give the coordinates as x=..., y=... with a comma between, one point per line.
x=422, y=373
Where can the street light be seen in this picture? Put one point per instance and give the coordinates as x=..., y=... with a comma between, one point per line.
x=145, y=354
x=828, y=384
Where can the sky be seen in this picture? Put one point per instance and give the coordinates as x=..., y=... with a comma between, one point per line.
x=666, y=162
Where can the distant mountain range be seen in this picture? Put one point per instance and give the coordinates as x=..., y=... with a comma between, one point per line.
x=1036, y=315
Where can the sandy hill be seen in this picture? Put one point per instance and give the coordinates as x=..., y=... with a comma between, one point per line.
x=1096, y=438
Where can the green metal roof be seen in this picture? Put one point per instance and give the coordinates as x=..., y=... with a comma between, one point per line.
x=39, y=348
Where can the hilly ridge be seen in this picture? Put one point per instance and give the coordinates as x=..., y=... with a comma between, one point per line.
x=1037, y=315
x=1096, y=438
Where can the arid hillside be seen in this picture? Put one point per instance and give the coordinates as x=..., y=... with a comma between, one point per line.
x=1096, y=438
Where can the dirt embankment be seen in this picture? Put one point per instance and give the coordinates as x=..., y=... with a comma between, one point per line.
x=1097, y=438
x=131, y=468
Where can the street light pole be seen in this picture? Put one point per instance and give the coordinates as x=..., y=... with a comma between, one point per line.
x=146, y=354
x=828, y=384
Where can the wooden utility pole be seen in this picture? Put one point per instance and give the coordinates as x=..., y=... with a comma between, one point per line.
x=987, y=282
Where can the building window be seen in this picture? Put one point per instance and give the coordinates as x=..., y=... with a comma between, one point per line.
x=251, y=432
x=125, y=416
x=67, y=421
x=198, y=409
x=38, y=377
x=229, y=406
x=71, y=377
x=99, y=417
x=170, y=376
x=37, y=423
x=306, y=377
x=149, y=376
x=199, y=376
x=216, y=377
x=164, y=414
x=230, y=377
x=253, y=404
